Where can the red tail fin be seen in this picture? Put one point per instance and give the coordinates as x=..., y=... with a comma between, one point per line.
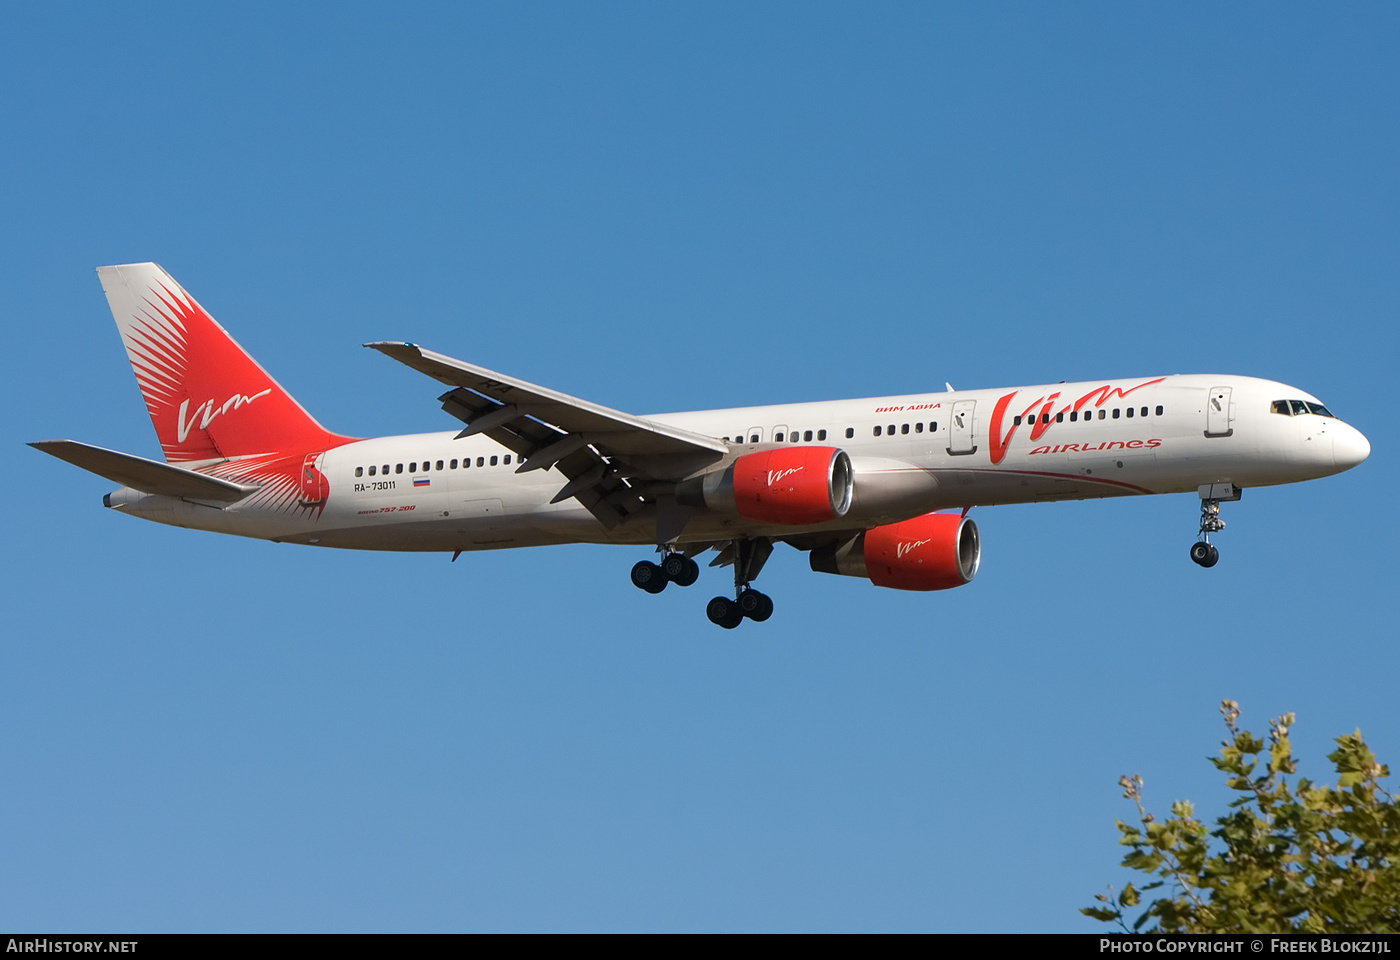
x=207, y=398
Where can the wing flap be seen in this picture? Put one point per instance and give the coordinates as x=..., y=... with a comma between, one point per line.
x=148, y=476
x=607, y=456
x=623, y=433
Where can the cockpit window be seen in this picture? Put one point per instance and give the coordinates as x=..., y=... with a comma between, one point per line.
x=1296, y=408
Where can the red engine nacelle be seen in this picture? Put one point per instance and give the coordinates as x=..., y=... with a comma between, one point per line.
x=934, y=552
x=791, y=486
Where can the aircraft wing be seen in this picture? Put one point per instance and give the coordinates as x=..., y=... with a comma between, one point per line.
x=608, y=456
x=148, y=476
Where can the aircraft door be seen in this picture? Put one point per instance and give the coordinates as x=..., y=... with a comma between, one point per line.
x=314, y=485
x=1218, y=413
x=484, y=521
x=960, y=438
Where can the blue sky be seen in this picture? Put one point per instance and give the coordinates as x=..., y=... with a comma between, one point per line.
x=665, y=207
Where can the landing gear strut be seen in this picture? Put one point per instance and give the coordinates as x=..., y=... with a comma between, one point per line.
x=749, y=557
x=1212, y=495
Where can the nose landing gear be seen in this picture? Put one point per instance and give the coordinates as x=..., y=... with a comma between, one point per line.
x=1204, y=553
x=1212, y=495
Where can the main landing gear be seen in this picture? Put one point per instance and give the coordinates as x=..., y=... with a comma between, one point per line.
x=747, y=556
x=730, y=613
x=674, y=568
x=1212, y=495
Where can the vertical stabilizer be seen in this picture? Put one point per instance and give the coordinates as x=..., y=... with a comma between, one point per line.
x=207, y=398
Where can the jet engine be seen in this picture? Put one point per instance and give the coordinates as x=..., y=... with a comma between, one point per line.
x=934, y=552
x=787, y=485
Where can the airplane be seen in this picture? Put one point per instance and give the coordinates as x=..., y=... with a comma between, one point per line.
x=875, y=488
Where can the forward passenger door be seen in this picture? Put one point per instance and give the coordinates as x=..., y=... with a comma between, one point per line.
x=1218, y=413
x=960, y=438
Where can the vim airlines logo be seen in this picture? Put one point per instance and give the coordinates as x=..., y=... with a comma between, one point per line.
x=182, y=427
x=1041, y=420
x=900, y=549
x=775, y=475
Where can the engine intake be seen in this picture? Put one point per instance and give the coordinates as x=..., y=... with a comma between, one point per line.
x=937, y=551
x=791, y=486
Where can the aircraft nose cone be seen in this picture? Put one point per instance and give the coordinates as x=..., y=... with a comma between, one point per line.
x=1349, y=447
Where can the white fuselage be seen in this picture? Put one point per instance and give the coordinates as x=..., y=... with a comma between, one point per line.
x=911, y=455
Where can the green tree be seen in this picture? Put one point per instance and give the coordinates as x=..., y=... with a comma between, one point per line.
x=1308, y=858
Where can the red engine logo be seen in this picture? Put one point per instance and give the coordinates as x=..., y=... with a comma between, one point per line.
x=933, y=552
x=793, y=485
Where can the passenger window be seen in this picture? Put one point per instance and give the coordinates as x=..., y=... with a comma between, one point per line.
x=359, y=471
x=1102, y=414
x=1130, y=413
x=850, y=432
x=385, y=470
x=794, y=436
x=1060, y=417
x=933, y=427
x=371, y=469
x=891, y=430
x=1159, y=409
x=821, y=434
x=1144, y=411
x=1115, y=413
x=506, y=459
x=806, y=435
x=481, y=461
x=918, y=428
x=778, y=437
x=413, y=467
x=454, y=464
x=1073, y=416
x=439, y=464
x=904, y=428
x=1016, y=421
x=1045, y=418
x=493, y=461
x=398, y=468
x=877, y=430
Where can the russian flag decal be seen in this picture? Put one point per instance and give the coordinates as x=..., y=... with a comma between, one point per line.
x=421, y=482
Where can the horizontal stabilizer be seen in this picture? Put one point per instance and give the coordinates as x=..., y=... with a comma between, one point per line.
x=148, y=476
